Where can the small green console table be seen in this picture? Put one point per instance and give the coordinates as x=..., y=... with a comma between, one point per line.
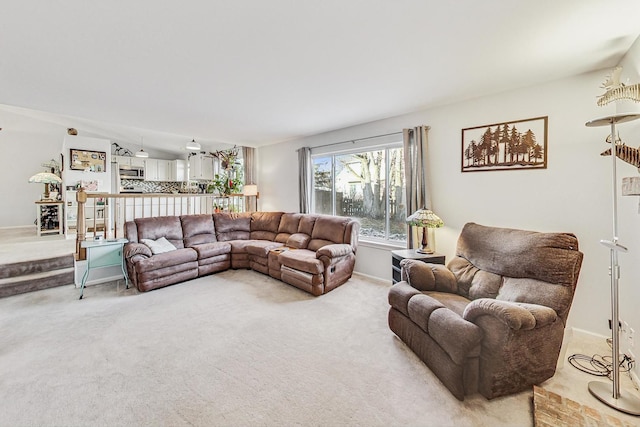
x=103, y=253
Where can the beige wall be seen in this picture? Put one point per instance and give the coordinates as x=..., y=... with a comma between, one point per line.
x=572, y=194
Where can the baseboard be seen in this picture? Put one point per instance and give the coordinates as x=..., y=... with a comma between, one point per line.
x=374, y=278
x=18, y=226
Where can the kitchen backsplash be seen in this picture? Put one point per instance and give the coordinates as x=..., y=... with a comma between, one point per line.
x=152, y=186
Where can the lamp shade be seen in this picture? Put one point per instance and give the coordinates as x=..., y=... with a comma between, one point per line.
x=45, y=178
x=250, y=190
x=193, y=145
x=142, y=154
x=425, y=218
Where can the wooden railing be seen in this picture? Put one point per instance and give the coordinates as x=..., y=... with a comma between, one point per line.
x=104, y=214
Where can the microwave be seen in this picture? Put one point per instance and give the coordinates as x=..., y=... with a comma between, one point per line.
x=131, y=172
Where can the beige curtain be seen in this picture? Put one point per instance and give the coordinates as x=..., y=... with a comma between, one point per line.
x=249, y=156
x=304, y=179
x=415, y=142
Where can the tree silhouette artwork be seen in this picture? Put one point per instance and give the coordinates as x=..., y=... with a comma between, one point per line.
x=520, y=144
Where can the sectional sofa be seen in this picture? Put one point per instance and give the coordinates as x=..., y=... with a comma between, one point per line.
x=315, y=253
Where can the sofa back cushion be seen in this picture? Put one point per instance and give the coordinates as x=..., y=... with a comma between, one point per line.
x=328, y=230
x=288, y=225
x=517, y=265
x=197, y=229
x=264, y=225
x=168, y=227
x=232, y=226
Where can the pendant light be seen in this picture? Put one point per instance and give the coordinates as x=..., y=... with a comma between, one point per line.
x=142, y=154
x=193, y=145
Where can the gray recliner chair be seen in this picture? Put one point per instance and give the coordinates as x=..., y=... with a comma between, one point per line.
x=493, y=320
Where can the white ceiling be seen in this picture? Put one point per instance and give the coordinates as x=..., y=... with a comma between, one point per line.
x=255, y=72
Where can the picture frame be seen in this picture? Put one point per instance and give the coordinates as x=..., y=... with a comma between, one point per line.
x=87, y=160
x=513, y=145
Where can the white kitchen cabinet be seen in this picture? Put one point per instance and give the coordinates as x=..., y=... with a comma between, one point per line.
x=158, y=170
x=201, y=167
x=128, y=160
x=151, y=170
x=178, y=170
x=164, y=170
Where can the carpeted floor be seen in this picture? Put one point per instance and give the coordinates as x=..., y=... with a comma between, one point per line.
x=237, y=348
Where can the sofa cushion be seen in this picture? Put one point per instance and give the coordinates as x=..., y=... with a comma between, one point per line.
x=306, y=223
x=197, y=229
x=208, y=250
x=159, y=246
x=289, y=223
x=298, y=241
x=154, y=228
x=167, y=259
x=232, y=226
x=261, y=248
x=303, y=260
x=328, y=230
x=264, y=225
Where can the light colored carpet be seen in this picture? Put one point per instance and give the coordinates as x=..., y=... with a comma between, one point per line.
x=236, y=348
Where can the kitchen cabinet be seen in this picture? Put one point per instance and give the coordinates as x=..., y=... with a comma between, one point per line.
x=151, y=170
x=128, y=160
x=178, y=170
x=158, y=170
x=201, y=167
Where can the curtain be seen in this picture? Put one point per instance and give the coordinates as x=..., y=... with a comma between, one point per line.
x=304, y=179
x=248, y=154
x=415, y=162
x=249, y=160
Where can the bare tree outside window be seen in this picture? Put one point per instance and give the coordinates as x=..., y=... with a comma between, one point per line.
x=366, y=185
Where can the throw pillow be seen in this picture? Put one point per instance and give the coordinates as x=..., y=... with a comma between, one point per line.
x=159, y=246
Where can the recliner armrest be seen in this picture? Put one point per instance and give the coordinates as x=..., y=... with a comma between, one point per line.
x=334, y=251
x=132, y=249
x=517, y=316
x=428, y=277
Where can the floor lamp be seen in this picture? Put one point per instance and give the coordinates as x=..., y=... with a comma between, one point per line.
x=603, y=390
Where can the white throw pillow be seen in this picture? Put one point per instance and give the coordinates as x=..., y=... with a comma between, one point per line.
x=159, y=246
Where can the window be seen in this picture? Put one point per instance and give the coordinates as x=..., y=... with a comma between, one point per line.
x=367, y=185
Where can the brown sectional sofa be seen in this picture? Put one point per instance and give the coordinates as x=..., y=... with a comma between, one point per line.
x=315, y=253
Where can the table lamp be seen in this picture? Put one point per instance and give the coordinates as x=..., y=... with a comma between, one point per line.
x=46, y=178
x=426, y=219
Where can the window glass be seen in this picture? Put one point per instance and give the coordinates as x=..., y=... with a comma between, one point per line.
x=367, y=185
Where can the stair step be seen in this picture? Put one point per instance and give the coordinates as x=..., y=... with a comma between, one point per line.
x=37, y=281
x=23, y=268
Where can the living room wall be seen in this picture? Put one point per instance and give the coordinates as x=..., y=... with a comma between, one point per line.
x=26, y=144
x=573, y=194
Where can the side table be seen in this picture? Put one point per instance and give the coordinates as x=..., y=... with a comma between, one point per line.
x=103, y=253
x=399, y=255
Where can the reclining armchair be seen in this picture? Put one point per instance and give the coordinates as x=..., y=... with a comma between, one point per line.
x=493, y=320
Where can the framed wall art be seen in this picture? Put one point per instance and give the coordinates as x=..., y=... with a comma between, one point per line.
x=515, y=145
x=85, y=160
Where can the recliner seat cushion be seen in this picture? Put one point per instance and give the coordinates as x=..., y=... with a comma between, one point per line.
x=302, y=260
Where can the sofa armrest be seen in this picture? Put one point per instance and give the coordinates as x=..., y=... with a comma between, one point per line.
x=334, y=251
x=132, y=249
x=428, y=277
x=517, y=316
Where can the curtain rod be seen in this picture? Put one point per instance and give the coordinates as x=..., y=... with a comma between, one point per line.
x=354, y=140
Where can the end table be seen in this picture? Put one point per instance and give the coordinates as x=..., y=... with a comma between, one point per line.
x=103, y=253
